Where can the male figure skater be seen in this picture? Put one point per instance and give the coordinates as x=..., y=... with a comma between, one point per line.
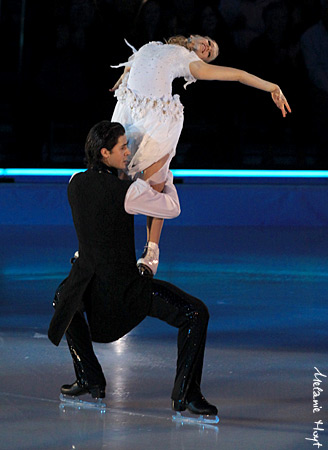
x=104, y=281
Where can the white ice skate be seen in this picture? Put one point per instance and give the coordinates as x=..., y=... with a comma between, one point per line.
x=148, y=263
x=76, y=255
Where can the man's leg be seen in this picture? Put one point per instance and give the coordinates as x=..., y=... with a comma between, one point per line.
x=190, y=315
x=89, y=374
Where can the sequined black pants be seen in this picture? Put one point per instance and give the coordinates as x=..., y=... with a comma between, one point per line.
x=171, y=305
x=190, y=316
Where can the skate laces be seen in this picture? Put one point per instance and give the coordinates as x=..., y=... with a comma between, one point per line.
x=151, y=254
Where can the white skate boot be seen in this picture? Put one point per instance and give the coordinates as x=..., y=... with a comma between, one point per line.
x=149, y=260
x=76, y=255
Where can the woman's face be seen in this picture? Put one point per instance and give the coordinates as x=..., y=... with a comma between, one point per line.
x=204, y=47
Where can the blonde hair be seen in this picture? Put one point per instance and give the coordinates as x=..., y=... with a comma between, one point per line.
x=179, y=40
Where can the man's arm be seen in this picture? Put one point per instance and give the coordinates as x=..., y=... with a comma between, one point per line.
x=141, y=198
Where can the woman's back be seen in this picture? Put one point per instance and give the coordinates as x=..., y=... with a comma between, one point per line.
x=156, y=65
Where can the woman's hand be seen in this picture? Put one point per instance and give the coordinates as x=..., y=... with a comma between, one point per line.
x=116, y=85
x=280, y=100
x=119, y=81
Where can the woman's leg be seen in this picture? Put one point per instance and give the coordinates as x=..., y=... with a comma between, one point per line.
x=154, y=229
x=150, y=256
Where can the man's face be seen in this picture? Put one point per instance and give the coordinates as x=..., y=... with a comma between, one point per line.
x=118, y=156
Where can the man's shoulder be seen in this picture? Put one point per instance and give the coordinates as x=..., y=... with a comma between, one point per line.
x=75, y=176
x=94, y=177
x=91, y=174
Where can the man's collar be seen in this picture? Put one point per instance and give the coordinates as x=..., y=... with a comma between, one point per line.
x=103, y=168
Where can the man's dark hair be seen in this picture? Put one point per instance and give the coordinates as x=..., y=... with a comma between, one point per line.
x=104, y=134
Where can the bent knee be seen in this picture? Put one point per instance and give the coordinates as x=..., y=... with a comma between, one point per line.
x=201, y=312
x=205, y=312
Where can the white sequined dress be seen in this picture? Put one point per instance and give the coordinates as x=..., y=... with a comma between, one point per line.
x=150, y=114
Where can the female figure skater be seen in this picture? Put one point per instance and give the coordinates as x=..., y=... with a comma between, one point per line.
x=153, y=117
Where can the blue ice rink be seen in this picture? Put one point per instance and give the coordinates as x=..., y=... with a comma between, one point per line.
x=254, y=252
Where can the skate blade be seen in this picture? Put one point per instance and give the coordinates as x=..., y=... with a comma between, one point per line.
x=76, y=402
x=144, y=270
x=200, y=420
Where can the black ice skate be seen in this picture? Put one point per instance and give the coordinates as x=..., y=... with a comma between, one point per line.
x=70, y=394
x=207, y=413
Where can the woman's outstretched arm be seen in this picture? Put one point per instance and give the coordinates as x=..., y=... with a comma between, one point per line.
x=203, y=71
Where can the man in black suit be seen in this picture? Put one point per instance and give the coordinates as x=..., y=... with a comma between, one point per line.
x=105, y=283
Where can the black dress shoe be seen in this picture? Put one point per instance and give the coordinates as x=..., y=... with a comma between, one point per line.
x=75, y=390
x=197, y=406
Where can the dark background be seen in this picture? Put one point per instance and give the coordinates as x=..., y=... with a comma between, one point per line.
x=55, y=75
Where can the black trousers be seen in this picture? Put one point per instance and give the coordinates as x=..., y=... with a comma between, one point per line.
x=175, y=307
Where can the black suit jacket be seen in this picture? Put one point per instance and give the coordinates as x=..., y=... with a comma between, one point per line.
x=104, y=280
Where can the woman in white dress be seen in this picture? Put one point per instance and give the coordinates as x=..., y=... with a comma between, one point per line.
x=153, y=117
